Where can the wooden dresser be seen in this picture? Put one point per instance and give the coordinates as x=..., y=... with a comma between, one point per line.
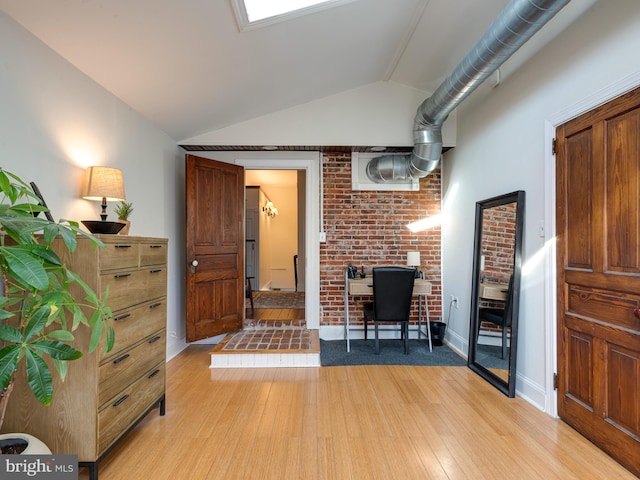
x=105, y=394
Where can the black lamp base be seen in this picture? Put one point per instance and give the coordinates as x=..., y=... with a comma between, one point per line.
x=99, y=226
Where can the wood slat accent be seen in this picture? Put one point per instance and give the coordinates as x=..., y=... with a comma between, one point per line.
x=348, y=423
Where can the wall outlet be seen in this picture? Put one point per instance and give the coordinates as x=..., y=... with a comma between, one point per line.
x=454, y=301
x=323, y=237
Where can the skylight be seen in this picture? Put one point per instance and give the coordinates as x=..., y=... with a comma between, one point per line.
x=255, y=13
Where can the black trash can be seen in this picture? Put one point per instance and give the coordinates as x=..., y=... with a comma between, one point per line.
x=438, y=330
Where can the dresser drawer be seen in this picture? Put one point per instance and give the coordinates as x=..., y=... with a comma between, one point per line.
x=153, y=254
x=132, y=324
x=118, y=256
x=119, y=371
x=128, y=288
x=125, y=408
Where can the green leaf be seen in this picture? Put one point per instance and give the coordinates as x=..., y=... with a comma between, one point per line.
x=37, y=322
x=111, y=338
x=24, y=268
x=10, y=334
x=8, y=363
x=57, y=350
x=70, y=239
x=96, y=335
x=61, y=368
x=5, y=185
x=39, y=377
x=62, y=335
x=46, y=254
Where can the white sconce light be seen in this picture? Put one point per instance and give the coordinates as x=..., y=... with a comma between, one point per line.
x=270, y=209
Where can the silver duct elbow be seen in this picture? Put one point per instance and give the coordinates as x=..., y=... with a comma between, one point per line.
x=515, y=25
x=421, y=162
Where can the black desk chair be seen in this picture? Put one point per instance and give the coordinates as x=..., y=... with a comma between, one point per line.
x=392, y=292
x=500, y=316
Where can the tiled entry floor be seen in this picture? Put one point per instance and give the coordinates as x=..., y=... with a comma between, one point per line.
x=268, y=339
x=273, y=342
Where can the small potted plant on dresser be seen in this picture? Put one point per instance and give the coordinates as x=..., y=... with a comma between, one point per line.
x=38, y=313
x=123, y=210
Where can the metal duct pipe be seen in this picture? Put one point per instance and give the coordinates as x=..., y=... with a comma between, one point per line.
x=515, y=25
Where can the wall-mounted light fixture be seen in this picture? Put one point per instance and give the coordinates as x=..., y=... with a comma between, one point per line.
x=270, y=209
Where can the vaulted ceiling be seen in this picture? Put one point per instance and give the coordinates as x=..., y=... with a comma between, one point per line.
x=186, y=66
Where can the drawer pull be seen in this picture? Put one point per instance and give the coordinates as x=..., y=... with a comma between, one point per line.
x=155, y=271
x=122, y=317
x=155, y=339
x=121, y=359
x=122, y=275
x=120, y=400
x=155, y=305
x=123, y=246
x=153, y=374
x=155, y=246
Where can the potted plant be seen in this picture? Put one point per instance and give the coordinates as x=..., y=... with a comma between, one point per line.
x=123, y=210
x=38, y=313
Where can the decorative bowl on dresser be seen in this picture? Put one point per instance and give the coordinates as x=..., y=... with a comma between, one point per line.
x=106, y=395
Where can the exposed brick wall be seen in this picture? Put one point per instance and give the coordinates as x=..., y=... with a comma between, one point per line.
x=498, y=250
x=369, y=229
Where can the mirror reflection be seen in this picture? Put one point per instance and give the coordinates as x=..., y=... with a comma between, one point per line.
x=495, y=293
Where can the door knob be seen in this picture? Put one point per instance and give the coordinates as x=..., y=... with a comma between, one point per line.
x=636, y=312
x=194, y=264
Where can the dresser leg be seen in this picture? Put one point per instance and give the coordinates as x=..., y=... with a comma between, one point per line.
x=93, y=469
x=162, y=405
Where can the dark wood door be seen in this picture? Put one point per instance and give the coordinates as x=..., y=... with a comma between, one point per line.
x=598, y=226
x=215, y=247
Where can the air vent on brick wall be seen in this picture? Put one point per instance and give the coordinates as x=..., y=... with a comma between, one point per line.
x=360, y=180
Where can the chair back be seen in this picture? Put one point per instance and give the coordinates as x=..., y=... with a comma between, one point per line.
x=392, y=292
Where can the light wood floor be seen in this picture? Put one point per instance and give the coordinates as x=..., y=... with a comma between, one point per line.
x=371, y=422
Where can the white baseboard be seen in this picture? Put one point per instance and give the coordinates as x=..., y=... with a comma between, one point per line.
x=332, y=332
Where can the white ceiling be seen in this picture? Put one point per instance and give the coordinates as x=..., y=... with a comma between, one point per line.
x=185, y=65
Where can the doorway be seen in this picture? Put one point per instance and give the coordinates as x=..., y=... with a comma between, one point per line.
x=274, y=228
x=274, y=240
x=308, y=261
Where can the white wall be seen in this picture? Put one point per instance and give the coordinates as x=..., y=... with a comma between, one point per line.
x=283, y=230
x=379, y=113
x=54, y=122
x=502, y=148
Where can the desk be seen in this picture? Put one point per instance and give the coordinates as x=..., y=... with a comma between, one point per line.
x=493, y=291
x=364, y=287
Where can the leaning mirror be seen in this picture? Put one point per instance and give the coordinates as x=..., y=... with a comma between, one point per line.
x=496, y=290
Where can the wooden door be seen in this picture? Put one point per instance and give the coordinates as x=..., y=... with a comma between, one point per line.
x=215, y=247
x=598, y=226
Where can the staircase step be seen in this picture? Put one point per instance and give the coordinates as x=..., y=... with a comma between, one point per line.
x=268, y=347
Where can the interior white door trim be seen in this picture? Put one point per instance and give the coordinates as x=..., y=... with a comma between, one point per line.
x=308, y=161
x=597, y=98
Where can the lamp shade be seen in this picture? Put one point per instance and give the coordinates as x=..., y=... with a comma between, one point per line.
x=413, y=259
x=103, y=182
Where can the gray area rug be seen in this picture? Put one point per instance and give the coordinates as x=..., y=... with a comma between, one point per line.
x=334, y=353
x=278, y=299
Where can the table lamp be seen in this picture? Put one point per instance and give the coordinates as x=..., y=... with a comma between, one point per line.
x=103, y=184
x=413, y=260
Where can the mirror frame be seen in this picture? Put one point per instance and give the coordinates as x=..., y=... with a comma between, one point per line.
x=507, y=387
